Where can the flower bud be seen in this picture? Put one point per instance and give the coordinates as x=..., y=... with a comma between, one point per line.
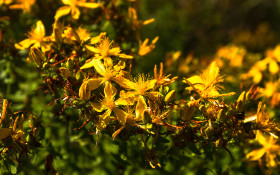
x=57, y=35
x=37, y=56
x=169, y=98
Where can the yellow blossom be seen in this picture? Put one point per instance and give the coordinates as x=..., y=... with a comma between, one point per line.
x=72, y=6
x=109, y=104
x=270, y=89
x=270, y=150
x=233, y=53
x=104, y=51
x=140, y=88
x=107, y=73
x=35, y=37
x=25, y=5
x=207, y=84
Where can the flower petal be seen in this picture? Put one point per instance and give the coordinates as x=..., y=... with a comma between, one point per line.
x=62, y=11
x=140, y=107
x=97, y=106
x=91, y=5
x=256, y=154
x=103, y=120
x=109, y=90
x=24, y=44
x=121, y=115
x=88, y=86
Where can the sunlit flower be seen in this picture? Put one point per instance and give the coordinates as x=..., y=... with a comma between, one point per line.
x=107, y=74
x=207, y=84
x=109, y=105
x=140, y=88
x=104, y=51
x=233, y=53
x=270, y=150
x=72, y=6
x=35, y=38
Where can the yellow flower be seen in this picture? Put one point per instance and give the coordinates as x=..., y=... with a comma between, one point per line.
x=35, y=37
x=233, y=53
x=104, y=51
x=107, y=74
x=25, y=5
x=273, y=58
x=140, y=88
x=109, y=104
x=270, y=149
x=270, y=89
x=144, y=49
x=72, y=6
x=207, y=84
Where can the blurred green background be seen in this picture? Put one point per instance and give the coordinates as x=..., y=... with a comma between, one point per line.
x=191, y=26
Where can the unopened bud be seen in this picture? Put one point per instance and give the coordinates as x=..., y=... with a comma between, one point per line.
x=57, y=35
x=147, y=117
x=37, y=56
x=65, y=72
x=170, y=96
x=219, y=143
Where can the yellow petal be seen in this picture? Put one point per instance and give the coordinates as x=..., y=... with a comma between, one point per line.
x=5, y=132
x=75, y=12
x=256, y=154
x=40, y=29
x=125, y=101
x=97, y=106
x=194, y=80
x=103, y=120
x=211, y=74
x=129, y=94
x=109, y=90
x=88, y=4
x=92, y=49
x=24, y=44
x=124, y=82
x=256, y=74
x=87, y=65
x=67, y=2
x=121, y=115
x=88, y=86
x=148, y=21
x=273, y=67
x=99, y=67
x=114, y=51
x=261, y=139
x=62, y=11
x=140, y=107
x=151, y=84
x=94, y=83
x=4, y=110
x=117, y=132
x=125, y=56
